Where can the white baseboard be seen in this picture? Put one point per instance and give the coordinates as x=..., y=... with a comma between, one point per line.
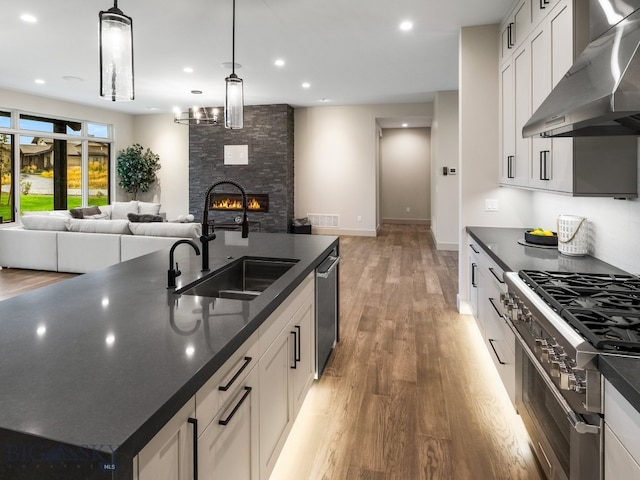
x=463, y=306
x=406, y=221
x=343, y=231
x=444, y=245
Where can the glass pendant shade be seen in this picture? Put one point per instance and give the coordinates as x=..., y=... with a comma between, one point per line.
x=234, y=103
x=116, y=55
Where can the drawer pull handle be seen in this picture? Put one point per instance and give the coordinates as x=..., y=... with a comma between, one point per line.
x=473, y=274
x=473, y=248
x=225, y=421
x=492, y=302
x=491, y=340
x=495, y=275
x=224, y=388
x=295, y=350
x=298, y=357
x=194, y=422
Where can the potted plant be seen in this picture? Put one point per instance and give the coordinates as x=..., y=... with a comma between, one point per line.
x=137, y=169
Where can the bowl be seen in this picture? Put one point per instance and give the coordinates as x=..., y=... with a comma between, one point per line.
x=550, y=241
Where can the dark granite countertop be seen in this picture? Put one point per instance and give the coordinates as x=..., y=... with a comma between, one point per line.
x=101, y=359
x=503, y=247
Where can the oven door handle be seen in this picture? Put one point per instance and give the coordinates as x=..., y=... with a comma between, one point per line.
x=577, y=424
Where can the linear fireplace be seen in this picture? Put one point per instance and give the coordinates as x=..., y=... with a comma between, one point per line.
x=256, y=202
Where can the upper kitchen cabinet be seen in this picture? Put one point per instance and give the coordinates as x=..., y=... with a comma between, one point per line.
x=579, y=166
x=515, y=28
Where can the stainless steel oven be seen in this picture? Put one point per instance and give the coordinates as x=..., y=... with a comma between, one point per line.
x=558, y=387
x=567, y=444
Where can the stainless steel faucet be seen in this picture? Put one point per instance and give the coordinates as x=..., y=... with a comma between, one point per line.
x=172, y=273
x=206, y=237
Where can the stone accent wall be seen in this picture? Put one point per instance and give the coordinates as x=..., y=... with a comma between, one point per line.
x=268, y=132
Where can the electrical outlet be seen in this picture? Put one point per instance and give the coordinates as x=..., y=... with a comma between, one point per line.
x=408, y=210
x=359, y=218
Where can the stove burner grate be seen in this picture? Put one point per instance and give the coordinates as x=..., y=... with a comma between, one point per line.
x=606, y=329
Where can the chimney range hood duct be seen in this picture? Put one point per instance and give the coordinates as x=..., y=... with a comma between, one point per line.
x=600, y=94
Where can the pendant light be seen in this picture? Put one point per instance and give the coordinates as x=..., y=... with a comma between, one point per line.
x=234, y=101
x=116, y=55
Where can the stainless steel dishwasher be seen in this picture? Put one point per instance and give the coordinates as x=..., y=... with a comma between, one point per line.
x=327, y=309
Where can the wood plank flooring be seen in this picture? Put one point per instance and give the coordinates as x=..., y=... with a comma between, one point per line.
x=15, y=282
x=410, y=391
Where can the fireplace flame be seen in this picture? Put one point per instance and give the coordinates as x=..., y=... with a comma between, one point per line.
x=229, y=204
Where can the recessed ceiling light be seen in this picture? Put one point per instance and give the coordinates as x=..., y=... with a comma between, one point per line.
x=279, y=63
x=405, y=125
x=306, y=85
x=71, y=78
x=324, y=100
x=27, y=17
x=196, y=92
x=406, y=26
x=39, y=81
x=187, y=70
x=153, y=109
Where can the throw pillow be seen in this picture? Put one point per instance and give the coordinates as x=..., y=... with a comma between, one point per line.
x=148, y=208
x=166, y=229
x=98, y=226
x=144, y=218
x=44, y=222
x=120, y=210
x=84, y=212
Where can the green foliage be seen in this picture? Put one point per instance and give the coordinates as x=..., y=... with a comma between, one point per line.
x=137, y=169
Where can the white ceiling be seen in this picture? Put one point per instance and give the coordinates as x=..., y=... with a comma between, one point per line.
x=350, y=51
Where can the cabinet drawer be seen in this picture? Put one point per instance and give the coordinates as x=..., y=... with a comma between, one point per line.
x=623, y=419
x=215, y=393
x=618, y=462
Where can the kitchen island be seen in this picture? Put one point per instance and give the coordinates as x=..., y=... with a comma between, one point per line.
x=92, y=368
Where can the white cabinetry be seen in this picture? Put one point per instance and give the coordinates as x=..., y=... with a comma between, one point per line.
x=239, y=419
x=494, y=327
x=515, y=28
x=286, y=373
x=621, y=433
x=535, y=63
x=170, y=454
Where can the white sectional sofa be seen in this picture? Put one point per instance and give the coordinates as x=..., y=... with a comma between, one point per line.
x=56, y=242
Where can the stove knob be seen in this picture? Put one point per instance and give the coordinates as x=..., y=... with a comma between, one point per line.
x=580, y=386
x=556, y=363
x=545, y=353
x=567, y=379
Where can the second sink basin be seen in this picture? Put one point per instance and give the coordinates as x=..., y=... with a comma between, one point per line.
x=242, y=279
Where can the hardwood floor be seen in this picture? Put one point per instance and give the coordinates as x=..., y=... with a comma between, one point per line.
x=15, y=282
x=410, y=391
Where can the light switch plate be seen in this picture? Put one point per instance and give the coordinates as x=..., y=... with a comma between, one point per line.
x=491, y=205
x=236, y=154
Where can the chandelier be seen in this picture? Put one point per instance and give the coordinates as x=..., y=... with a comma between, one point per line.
x=196, y=116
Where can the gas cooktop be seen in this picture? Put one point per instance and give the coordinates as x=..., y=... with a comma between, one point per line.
x=604, y=308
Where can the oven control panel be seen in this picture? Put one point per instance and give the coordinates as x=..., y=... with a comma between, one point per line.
x=551, y=355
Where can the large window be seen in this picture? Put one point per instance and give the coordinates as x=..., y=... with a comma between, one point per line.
x=62, y=164
x=6, y=177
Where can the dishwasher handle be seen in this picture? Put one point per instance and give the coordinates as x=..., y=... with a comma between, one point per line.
x=323, y=271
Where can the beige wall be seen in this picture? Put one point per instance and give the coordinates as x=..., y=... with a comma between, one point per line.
x=478, y=122
x=405, y=175
x=336, y=162
x=445, y=190
x=171, y=142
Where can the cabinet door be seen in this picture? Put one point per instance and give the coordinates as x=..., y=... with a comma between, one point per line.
x=618, y=462
x=560, y=27
x=169, y=455
x=228, y=447
x=276, y=409
x=507, y=124
x=522, y=79
x=303, y=370
x=540, y=45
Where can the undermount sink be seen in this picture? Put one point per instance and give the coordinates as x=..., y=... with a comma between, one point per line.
x=242, y=279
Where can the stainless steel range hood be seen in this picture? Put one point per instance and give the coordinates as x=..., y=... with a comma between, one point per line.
x=600, y=94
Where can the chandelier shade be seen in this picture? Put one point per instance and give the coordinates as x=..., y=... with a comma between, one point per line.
x=234, y=98
x=234, y=102
x=116, y=55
